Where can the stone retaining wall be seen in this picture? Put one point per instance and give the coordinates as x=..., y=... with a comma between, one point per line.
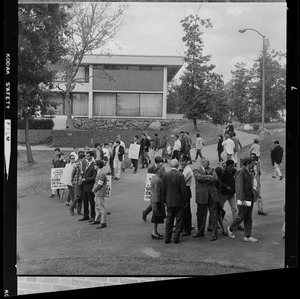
x=36, y=136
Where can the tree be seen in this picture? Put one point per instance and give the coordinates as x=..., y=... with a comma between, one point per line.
x=173, y=99
x=275, y=85
x=240, y=92
x=218, y=104
x=194, y=89
x=92, y=27
x=41, y=28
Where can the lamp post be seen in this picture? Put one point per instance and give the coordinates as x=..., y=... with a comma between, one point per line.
x=262, y=133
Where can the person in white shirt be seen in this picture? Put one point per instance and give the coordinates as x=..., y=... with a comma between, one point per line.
x=255, y=148
x=106, y=151
x=199, y=146
x=176, y=148
x=188, y=175
x=229, y=146
x=75, y=152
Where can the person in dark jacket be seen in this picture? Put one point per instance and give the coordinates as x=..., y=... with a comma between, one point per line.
x=245, y=200
x=220, y=148
x=145, y=144
x=276, y=159
x=175, y=197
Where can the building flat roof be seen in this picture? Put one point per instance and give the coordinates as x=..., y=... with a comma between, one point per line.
x=173, y=63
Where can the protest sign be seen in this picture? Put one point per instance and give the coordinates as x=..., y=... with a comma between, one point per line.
x=147, y=194
x=134, y=151
x=56, y=174
x=66, y=176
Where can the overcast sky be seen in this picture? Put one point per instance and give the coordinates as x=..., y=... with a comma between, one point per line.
x=155, y=29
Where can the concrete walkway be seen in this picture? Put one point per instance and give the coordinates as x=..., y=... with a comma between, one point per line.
x=46, y=230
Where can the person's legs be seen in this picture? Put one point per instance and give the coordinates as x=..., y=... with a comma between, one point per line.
x=213, y=216
x=187, y=218
x=232, y=202
x=97, y=208
x=277, y=170
x=248, y=221
x=169, y=223
x=201, y=218
x=179, y=217
x=102, y=210
x=242, y=211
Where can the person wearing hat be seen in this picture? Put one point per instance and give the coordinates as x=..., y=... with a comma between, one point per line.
x=245, y=200
x=276, y=159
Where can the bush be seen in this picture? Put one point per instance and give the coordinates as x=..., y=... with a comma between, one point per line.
x=36, y=124
x=255, y=126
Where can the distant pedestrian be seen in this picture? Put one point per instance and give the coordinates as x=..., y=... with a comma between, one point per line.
x=135, y=162
x=189, y=145
x=99, y=190
x=158, y=163
x=206, y=198
x=163, y=146
x=199, y=146
x=220, y=148
x=229, y=128
x=157, y=202
x=176, y=148
x=229, y=146
x=175, y=198
x=255, y=148
x=156, y=144
x=237, y=147
x=118, y=156
x=245, y=200
x=111, y=160
x=276, y=159
x=145, y=144
x=123, y=159
x=187, y=215
x=98, y=152
x=257, y=185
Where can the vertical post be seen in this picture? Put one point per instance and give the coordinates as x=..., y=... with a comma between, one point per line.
x=165, y=82
x=90, y=103
x=262, y=134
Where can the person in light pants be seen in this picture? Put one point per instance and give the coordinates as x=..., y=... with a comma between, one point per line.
x=276, y=159
x=118, y=154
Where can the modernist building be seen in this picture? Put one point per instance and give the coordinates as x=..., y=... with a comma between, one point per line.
x=121, y=86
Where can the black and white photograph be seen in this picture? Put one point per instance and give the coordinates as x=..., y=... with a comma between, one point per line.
x=103, y=96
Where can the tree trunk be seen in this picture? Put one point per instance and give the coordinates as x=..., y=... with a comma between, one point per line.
x=27, y=141
x=69, y=123
x=195, y=124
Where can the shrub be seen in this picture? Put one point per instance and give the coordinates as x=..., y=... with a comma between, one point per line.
x=255, y=126
x=36, y=124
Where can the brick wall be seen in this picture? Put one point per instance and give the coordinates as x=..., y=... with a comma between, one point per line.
x=43, y=284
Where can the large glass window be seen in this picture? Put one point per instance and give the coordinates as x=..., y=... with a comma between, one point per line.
x=151, y=105
x=80, y=104
x=104, y=104
x=128, y=104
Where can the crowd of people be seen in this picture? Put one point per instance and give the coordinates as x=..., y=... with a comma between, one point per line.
x=171, y=193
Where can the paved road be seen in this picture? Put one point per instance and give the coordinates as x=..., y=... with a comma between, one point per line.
x=46, y=230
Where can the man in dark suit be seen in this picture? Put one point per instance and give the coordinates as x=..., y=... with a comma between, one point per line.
x=206, y=198
x=88, y=180
x=175, y=197
x=245, y=197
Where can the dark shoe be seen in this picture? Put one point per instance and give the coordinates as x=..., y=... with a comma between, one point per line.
x=144, y=216
x=262, y=213
x=72, y=212
x=198, y=235
x=83, y=219
x=156, y=237
x=79, y=213
x=108, y=213
x=92, y=220
x=95, y=222
x=134, y=171
x=209, y=229
x=149, y=162
x=213, y=238
x=241, y=228
x=52, y=195
x=186, y=234
x=176, y=241
x=281, y=178
x=142, y=167
x=101, y=226
x=273, y=177
x=160, y=235
x=167, y=241
x=224, y=233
